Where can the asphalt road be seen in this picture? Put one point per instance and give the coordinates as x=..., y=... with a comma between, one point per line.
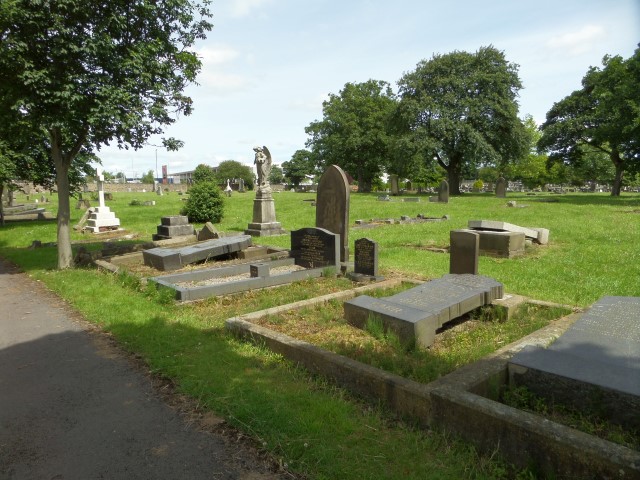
x=74, y=406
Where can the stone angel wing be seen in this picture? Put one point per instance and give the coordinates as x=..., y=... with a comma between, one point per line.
x=267, y=153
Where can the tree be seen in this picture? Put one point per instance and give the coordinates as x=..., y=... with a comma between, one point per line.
x=531, y=169
x=276, y=176
x=301, y=165
x=604, y=114
x=460, y=111
x=205, y=203
x=230, y=169
x=353, y=133
x=148, y=177
x=204, y=173
x=87, y=74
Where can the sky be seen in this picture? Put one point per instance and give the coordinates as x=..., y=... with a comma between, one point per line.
x=267, y=65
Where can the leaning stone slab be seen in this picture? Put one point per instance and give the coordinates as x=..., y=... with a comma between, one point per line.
x=502, y=226
x=173, y=258
x=415, y=314
x=594, y=365
x=501, y=244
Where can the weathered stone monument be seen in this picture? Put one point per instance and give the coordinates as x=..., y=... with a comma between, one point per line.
x=365, y=261
x=173, y=226
x=264, y=210
x=443, y=193
x=332, y=206
x=415, y=314
x=501, y=187
x=102, y=218
x=463, y=252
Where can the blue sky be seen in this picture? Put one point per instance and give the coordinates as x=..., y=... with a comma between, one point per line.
x=269, y=64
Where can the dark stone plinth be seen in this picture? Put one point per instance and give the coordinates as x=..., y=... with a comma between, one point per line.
x=265, y=229
x=463, y=252
x=594, y=365
x=415, y=314
x=174, y=220
x=501, y=244
x=259, y=270
x=173, y=258
x=315, y=248
x=208, y=232
x=170, y=231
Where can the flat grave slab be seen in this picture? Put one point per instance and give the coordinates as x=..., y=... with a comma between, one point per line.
x=415, y=314
x=601, y=349
x=174, y=258
x=502, y=226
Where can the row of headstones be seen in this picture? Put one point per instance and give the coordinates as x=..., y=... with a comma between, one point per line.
x=443, y=189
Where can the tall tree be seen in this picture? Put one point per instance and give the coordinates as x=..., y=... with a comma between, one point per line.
x=604, y=114
x=91, y=73
x=230, y=169
x=354, y=130
x=301, y=165
x=460, y=111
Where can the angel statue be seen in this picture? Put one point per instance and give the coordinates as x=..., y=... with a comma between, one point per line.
x=263, y=165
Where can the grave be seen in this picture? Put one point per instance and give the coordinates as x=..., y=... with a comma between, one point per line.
x=594, y=366
x=463, y=252
x=102, y=218
x=501, y=187
x=315, y=248
x=332, y=206
x=312, y=251
x=208, y=232
x=174, y=258
x=365, y=261
x=173, y=226
x=501, y=244
x=539, y=235
x=443, y=193
x=415, y=314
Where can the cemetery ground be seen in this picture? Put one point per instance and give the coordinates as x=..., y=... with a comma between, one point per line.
x=305, y=422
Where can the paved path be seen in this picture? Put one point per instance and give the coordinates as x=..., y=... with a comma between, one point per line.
x=73, y=407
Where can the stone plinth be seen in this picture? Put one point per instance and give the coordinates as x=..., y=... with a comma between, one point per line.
x=173, y=226
x=264, y=216
x=415, y=314
x=463, y=252
x=102, y=219
x=501, y=244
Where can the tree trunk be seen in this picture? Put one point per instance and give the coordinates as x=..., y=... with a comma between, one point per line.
x=364, y=185
x=619, y=164
x=62, y=163
x=1, y=206
x=453, y=175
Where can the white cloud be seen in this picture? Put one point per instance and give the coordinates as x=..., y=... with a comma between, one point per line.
x=578, y=42
x=215, y=75
x=242, y=8
x=218, y=54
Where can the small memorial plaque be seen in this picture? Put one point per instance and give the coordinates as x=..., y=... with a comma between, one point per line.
x=366, y=257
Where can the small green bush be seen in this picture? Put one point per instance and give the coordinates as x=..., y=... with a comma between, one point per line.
x=205, y=203
x=478, y=185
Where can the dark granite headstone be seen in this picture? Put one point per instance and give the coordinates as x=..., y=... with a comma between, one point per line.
x=175, y=220
x=595, y=364
x=174, y=258
x=332, y=206
x=463, y=252
x=366, y=257
x=415, y=314
x=208, y=232
x=501, y=188
x=315, y=247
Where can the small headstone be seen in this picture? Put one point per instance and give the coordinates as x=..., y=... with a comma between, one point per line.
x=208, y=232
x=259, y=270
x=501, y=188
x=394, y=184
x=366, y=257
x=443, y=192
x=241, y=185
x=384, y=198
x=511, y=203
x=315, y=247
x=332, y=206
x=463, y=252
x=159, y=190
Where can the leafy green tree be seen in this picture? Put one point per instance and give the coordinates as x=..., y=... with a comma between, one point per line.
x=230, y=169
x=204, y=173
x=531, y=169
x=205, y=203
x=276, y=177
x=604, y=114
x=148, y=177
x=460, y=111
x=87, y=74
x=353, y=133
x=301, y=165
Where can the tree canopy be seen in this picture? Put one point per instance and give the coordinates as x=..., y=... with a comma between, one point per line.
x=230, y=169
x=353, y=132
x=460, y=111
x=603, y=115
x=87, y=74
x=301, y=165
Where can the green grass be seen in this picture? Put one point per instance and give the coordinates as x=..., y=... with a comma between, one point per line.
x=312, y=426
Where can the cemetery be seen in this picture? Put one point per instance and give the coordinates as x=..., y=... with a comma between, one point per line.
x=462, y=329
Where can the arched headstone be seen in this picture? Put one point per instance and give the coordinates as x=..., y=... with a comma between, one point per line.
x=332, y=206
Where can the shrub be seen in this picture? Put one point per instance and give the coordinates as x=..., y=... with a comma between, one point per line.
x=205, y=203
x=478, y=185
